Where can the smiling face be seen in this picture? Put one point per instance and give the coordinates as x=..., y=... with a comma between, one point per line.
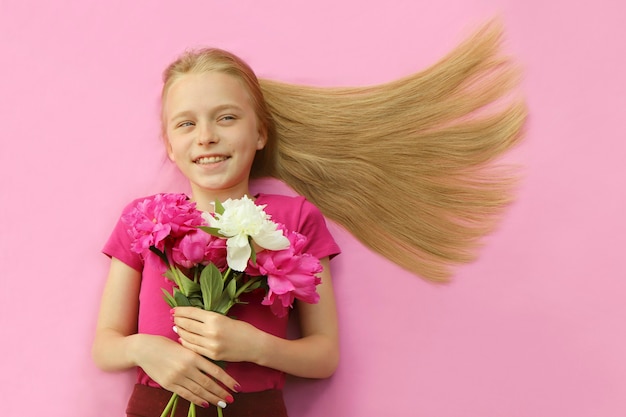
x=212, y=134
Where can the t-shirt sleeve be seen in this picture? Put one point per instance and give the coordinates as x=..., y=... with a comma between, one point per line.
x=118, y=245
x=320, y=242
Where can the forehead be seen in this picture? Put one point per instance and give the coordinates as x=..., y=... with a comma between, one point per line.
x=205, y=90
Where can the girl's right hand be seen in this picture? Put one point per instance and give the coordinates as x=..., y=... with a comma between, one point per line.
x=182, y=371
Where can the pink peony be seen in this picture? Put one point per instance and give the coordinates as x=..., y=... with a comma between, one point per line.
x=290, y=273
x=199, y=247
x=152, y=220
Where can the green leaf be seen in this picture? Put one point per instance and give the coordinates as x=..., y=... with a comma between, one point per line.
x=219, y=208
x=224, y=307
x=227, y=299
x=211, y=230
x=252, y=252
x=170, y=274
x=231, y=289
x=196, y=301
x=211, y=285
x=181, y=299
x=186, y=285
x=256, y=284
x=168, y=298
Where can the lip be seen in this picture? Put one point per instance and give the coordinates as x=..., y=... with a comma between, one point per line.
x=220, y=157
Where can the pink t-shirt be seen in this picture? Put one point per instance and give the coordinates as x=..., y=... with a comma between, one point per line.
x=297, y=214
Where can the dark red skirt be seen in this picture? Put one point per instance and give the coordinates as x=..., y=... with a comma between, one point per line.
x=149, y=402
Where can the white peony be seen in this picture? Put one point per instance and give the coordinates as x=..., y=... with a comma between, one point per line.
x=243, y=222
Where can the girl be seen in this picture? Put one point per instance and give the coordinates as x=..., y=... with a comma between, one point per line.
x=214, y=123
x=407, y=167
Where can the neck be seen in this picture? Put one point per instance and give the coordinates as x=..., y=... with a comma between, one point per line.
x=204, y=199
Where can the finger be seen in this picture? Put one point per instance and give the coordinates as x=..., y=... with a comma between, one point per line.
x=190, y=325
x=192, y=313
x=214, y=389
x=198, y=394
x=190, y=340
x=214, y=373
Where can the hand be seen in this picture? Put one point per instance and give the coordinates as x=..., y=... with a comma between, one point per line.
x=183, y=372
x=216, y=336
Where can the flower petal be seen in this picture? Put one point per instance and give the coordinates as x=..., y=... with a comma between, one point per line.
x=271, y=239
x=238, y=256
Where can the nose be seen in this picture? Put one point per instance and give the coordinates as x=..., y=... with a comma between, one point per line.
x=207, y=135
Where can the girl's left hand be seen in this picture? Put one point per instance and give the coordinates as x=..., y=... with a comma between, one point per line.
x=215, y=336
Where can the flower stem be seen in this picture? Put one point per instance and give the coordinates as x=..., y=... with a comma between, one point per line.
x=174, y=406
x=226, y=278
x=244, y=287
x=171, y=406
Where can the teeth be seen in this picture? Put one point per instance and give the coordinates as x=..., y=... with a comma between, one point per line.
x=210, y=159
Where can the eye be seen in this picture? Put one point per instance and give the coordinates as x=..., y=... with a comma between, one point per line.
x=186, y=123
x=226, y=118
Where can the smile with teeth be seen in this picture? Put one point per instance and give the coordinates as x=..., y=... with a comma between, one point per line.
x=203, y=160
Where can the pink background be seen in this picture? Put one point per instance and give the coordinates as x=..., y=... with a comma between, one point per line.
x=534, y=328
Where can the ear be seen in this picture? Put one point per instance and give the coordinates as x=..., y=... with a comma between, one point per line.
x=262, y=140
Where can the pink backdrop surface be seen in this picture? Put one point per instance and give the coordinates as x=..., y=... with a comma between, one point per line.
x=534, y=328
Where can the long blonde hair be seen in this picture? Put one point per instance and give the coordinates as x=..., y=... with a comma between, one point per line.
x=408, y=167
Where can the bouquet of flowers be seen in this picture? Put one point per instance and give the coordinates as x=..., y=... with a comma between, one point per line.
x=213, y=258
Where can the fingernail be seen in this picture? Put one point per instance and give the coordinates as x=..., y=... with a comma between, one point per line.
x=221, y=404
x=205, y=404
x=175, y=329
x=172, y=311
x=237, y=387
x=230, y=399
